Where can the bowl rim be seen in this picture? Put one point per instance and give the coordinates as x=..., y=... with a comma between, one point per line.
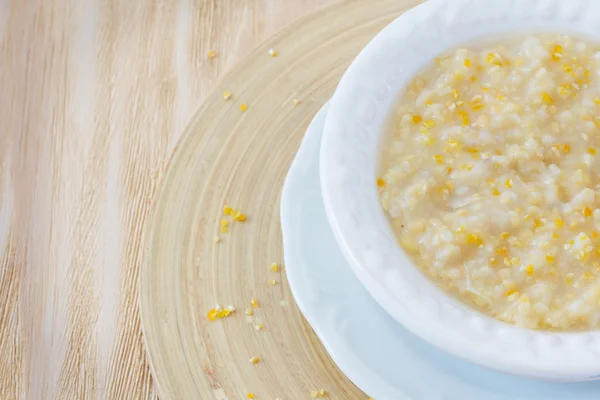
x=348, y=160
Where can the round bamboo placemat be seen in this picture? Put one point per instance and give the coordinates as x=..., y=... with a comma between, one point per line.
x=240, y=158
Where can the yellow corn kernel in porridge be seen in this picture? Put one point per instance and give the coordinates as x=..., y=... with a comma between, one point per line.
x=490, y=176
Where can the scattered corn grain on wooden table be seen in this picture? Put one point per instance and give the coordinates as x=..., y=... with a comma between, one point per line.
x=236, y=153
x=97, y=96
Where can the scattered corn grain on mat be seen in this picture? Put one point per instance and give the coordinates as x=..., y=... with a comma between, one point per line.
x=200, y=258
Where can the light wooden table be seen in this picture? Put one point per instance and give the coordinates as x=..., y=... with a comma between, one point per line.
x=95, y=95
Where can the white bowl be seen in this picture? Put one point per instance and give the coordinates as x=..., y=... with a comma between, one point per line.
x=349, y=155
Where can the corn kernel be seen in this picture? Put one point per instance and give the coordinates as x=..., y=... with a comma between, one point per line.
x=322, y=392
x=226, y=96
x=530, y=269
x=477, y=106
x=417, y=119
x=587, y=212
x=557, y=52
x=502, y=251
x=565, y=89
x=272, y=282
x=212, y=314
x=473, y=238
x=592, y=151
x=569, y=279
x=490, y=58
x=249, y=311
x=250, y=395
x=258, y=327
x=451, y=144
x=274, y=267
x=272, y=53
x=380, y=183
x=597, y=100
x=224, y=222
x=467, y=63
x=314, y=394
x=495, y=192
x=438, y=158
x=253, y=360
x=254, y=303
x=211, y=54
x=227, y=210
x=547, y=98
x=238, y=216
x=559, y=223
x=549, y=258
x=508, y=183
x=429, y=123
x=505, y=235
x=569, y=69
x=243, y=107
x=464, y=117
x=595, y=234
x=511, y=292
x=224, y=229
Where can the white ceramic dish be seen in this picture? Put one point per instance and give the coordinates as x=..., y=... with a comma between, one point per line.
x=373, y=350
x=349, y=155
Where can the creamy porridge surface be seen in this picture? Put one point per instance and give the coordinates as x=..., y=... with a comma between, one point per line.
x=490, y=176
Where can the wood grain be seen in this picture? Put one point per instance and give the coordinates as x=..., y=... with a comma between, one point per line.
x=95, y=95
x=230, y=157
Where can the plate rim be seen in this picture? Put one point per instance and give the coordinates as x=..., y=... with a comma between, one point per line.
x=378, y=389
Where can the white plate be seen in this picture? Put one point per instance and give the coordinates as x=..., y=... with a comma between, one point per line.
x=369, y=346
x=349, y=157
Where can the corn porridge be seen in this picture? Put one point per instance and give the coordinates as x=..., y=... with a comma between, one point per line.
x=490, y=176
